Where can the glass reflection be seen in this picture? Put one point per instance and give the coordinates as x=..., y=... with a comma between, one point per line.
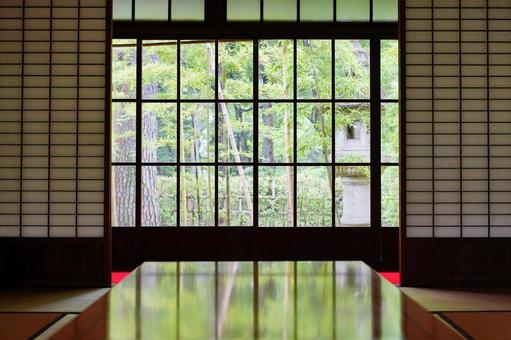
x=255, y=300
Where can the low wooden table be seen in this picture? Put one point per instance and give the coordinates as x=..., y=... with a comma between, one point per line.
x=255, y=300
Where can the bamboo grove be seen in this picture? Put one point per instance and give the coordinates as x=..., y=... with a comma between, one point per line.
x=210, y=152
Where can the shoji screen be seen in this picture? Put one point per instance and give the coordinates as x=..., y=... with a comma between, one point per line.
x=52, y=102
x=458, y=118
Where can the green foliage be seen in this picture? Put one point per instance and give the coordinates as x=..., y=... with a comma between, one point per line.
x=159, y=70
x=390, y=196
x=275, y=123
x=352, y=69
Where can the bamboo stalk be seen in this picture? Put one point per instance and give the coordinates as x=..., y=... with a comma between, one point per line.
x=232, y=140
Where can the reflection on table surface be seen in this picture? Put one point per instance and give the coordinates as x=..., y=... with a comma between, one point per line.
x=255, y=300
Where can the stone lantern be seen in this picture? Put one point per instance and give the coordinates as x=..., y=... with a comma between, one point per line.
x=354, y=140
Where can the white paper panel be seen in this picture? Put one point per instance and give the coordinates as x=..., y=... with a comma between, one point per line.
x=458, y=119
x=52, y=91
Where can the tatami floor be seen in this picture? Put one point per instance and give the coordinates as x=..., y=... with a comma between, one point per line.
x=476, y=313
x=38, y=313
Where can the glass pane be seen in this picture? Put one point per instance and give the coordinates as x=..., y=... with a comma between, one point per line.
x=353, y=10
x=197, y=132
x=385, y=10
x=124, y=132
x=390, y=196
x=196, y=301
x=151, y=10
x=314, y=200
x=390, y=132
x=389, y=69
x=276, y=302
x=276, y=194
x=276, y=132
x=124, y=68
x=197, y=196
x=279, y=10
x=235, y=70
x=352, y=196
x=121, y=10
x=352, y=134
x=314, y=290
x=187, y=10
x=236, y=294
x=243, y=10
x=314, y=69
x=235, y=126
x=352, y=69
x=123, y=196
x=159, y=132
x=316, y=10
x=159, y=195
x=197, y=70
x=276, y=69
x=159, y=70
x=235, y=198
x=314, y=132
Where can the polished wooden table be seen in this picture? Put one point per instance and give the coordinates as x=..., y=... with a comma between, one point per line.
x=255, y=300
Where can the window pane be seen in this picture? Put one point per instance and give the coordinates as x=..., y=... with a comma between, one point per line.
x=197, y=70
x=276, y=132
x=276, y=193
x=235, y=70
x=187, y=10
x=243, y=10
x=151, y=9
x=235, y=196
x=124, y=132
x=159, y=132
x=352, y=196
x=385, y=10
x=389, y=69
x=352, y=134
x=316, y=10
x=235, y=126
x=123, y=196
x=390, y=196
x=314, y=69
x=279, y=10
x=197, y=132
x=121, y=10
x=197, y=196
x=314, y=285
x=159, y=70
x=276, y=69
x=353, y=10
x=390, y=132
x=159, y=196
x=314, y=131
x=276, y=302
x=352, y=69
x=124, y=68
x=314, y=198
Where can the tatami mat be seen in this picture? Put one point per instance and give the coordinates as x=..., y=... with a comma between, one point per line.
x=453, y=300
x=48, y=300
x=483, y=325
x=14, y=326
